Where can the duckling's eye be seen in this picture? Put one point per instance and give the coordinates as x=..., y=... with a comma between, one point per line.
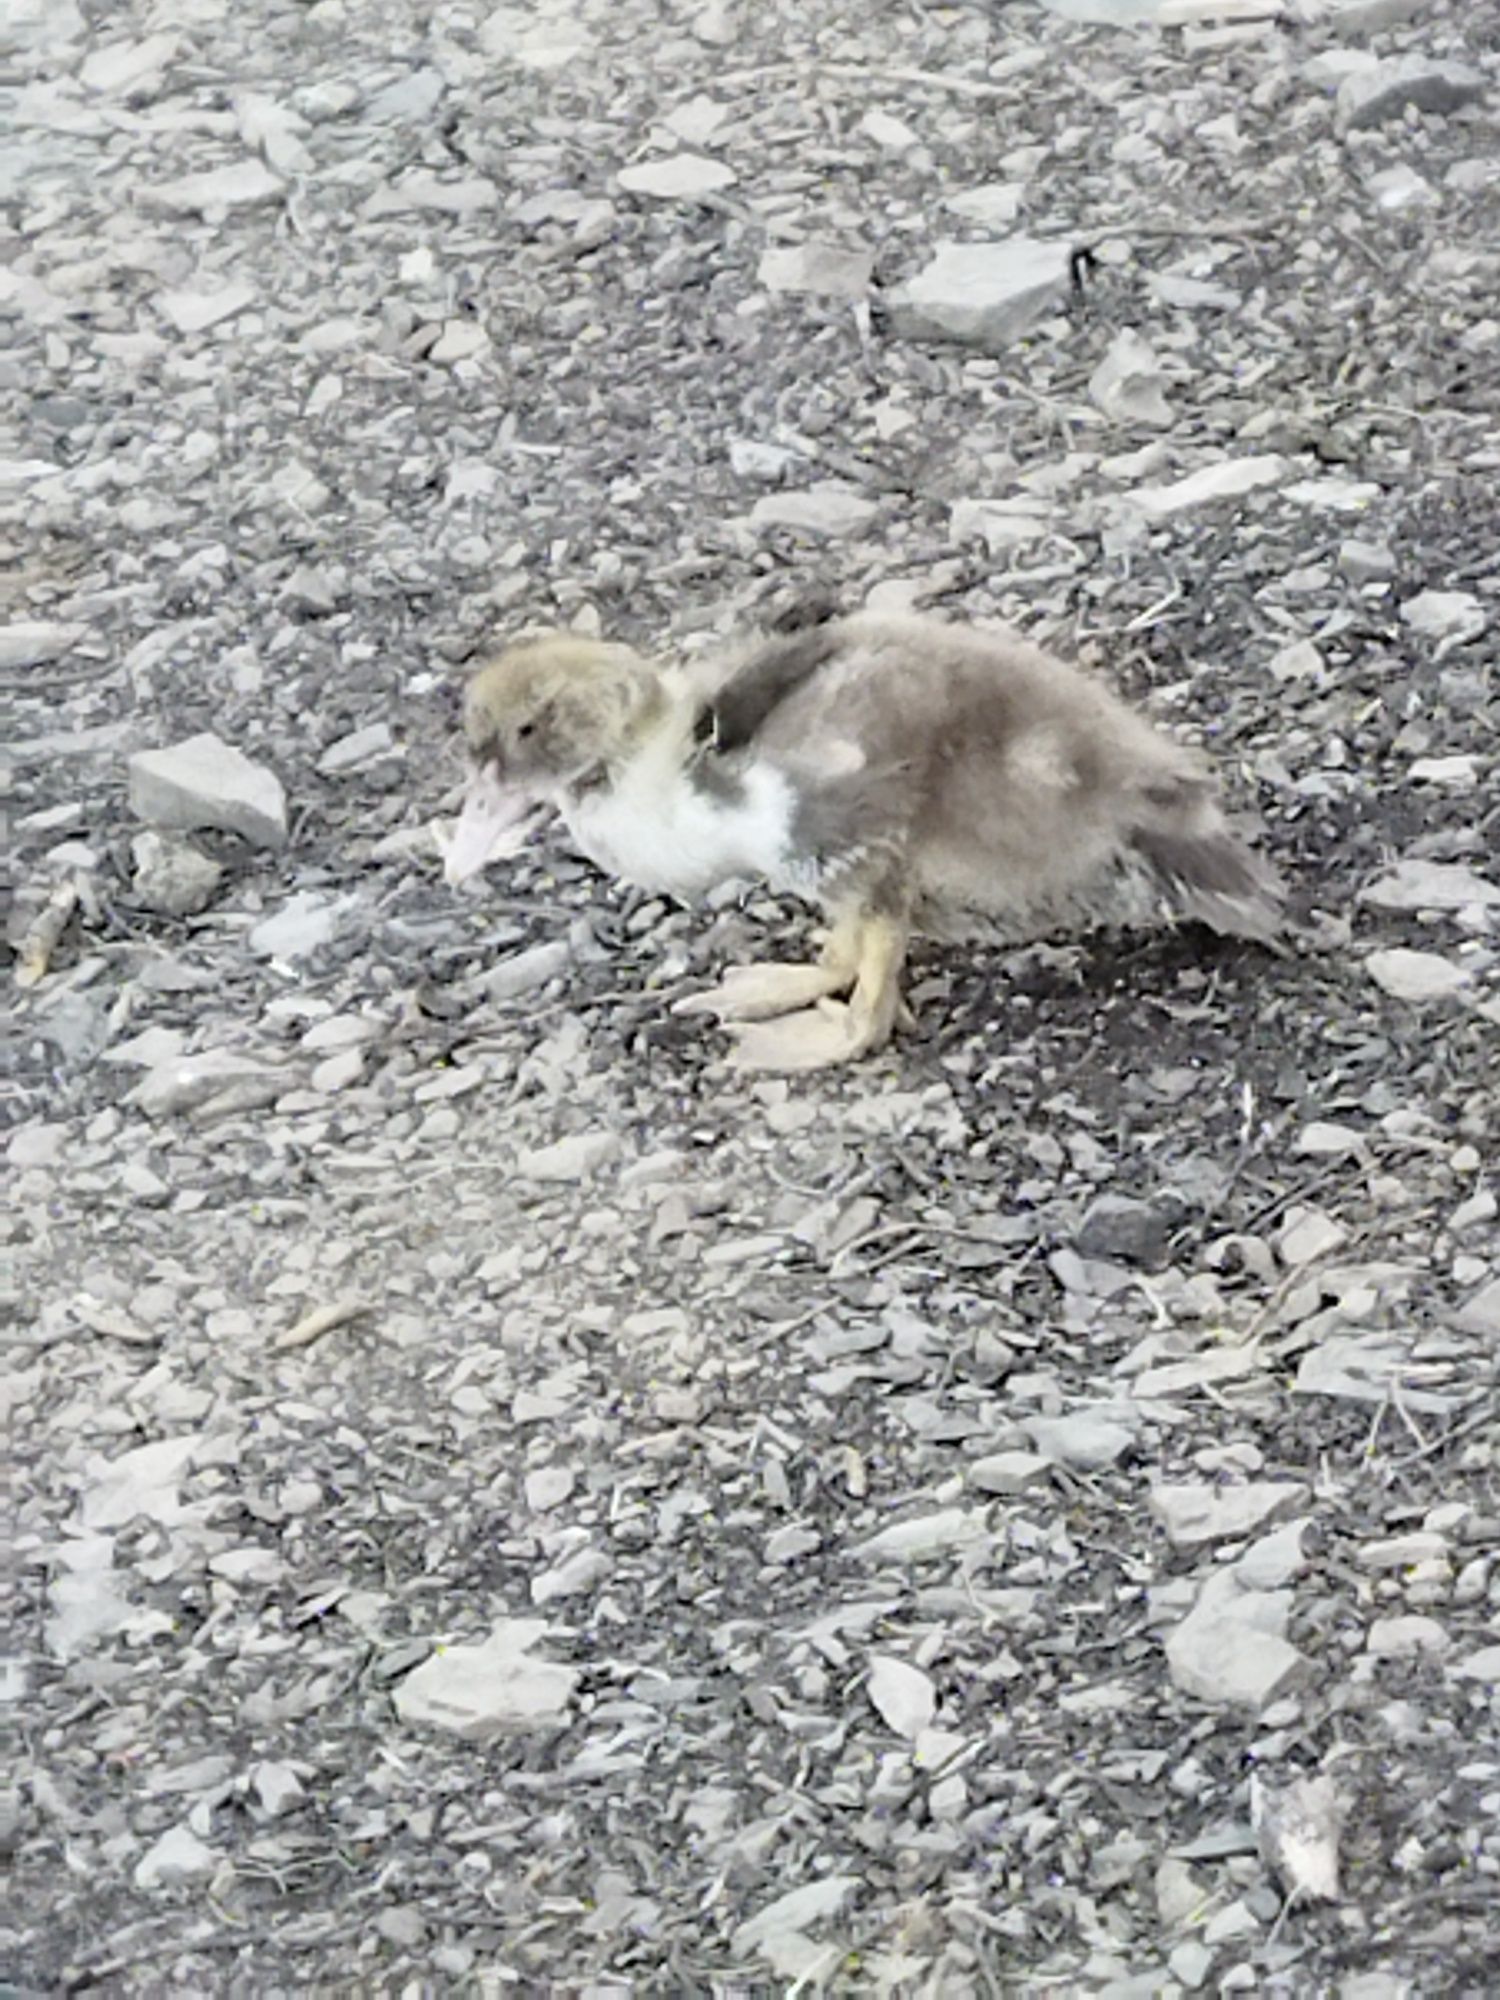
x=526, y=729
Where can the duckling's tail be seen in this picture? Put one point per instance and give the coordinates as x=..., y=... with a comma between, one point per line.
x=1205, y=870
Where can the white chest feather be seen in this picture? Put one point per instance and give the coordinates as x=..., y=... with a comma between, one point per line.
x=654, y=827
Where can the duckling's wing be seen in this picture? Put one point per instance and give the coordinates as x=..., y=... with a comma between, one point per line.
x=741, y=704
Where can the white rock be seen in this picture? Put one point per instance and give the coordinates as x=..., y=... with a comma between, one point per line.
x=892, y=133
x=1371, y=96
x=576, y=1575
x=792, y=1913
x=1127, y=384
x=1334, y=496
x=515, y=34
x=524, y=971
x=1196, y=1513
x=750, y=458
x=825, y=269
x=1327, y=1141
x=277, y=1787
x=479, y=1693
x=37, y=1144
x=575, y=1158
x=678, y=177
x=204, y=782
x=186, y=1083
x=194, y=312
x=1481, y=1314
x=1407, y=1638
x=1431, y=885
x=995, y=205
x=1365, y=562
x=1000, y=524
x=84, y=1607
x=1415, y=975
x=1483, y=1665
x=127, y=65
x=178, y=1857
x=548, y=1487
x=1461, y=772
x=1224, y=481
x=360, y=746
x=247, y=184
x=983, y=295
x=1007, y=1471
x=1088, y=1440
x=1398, y=188
x=1445, y=614
x=303, y=925
x=171, y=876
x=33, y=642
x=930, y=1535
x=408, y=98
x=338, y=1071
x=828, y=508
x=902, y=1694
x=1191, y=294
x=1229, y=1650
x=1306, y=1235
x=460, y=340
x=140, y=1483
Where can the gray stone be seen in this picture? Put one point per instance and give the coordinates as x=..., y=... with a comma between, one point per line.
x=204, y=782
x=196, y=311
x=1415, y=975
x=361, y=746
x=1119, y=1226
x=1407, y=1638
x=1365, y=562
x=479, y=1693
x=1193, y=1514
x=821, y=268
x=677, y=178
x=303, y=925
x=186, y=1083
x=1369, y=97
x=1127, y=384
x=1229, y=1650
x=1431, y=885
x=576, y=1158
x=1227, y=480
x=1482, y=1312
x=1456, y=615
x=825, y=509
x=1373, y=17
x=983, y=295
x=171, y=876
x=178, y=1857
x=247, y=184
x=1008, y=1471
x=1087, y=1440
x=31, y=642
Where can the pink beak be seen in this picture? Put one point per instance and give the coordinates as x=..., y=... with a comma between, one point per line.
x=495, y=821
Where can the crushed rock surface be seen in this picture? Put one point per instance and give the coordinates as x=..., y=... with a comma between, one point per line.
x=500, y=1501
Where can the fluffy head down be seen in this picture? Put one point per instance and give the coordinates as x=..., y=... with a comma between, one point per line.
x=548, y=710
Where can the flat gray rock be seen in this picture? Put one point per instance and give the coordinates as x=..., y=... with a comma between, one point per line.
x=203, y=782
x=1370, y=97
x=983, y=295
x=1193, y=1515
x=486, y=1691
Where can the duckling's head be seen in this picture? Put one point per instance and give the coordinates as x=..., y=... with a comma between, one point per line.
x=538, y=718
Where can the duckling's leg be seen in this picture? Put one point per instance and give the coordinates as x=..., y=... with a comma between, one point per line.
x=836, y=1031
x=760, y=992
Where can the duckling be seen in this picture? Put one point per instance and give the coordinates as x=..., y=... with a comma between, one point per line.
x=906, y=775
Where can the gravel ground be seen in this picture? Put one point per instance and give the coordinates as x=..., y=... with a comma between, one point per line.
x=503, y=1503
